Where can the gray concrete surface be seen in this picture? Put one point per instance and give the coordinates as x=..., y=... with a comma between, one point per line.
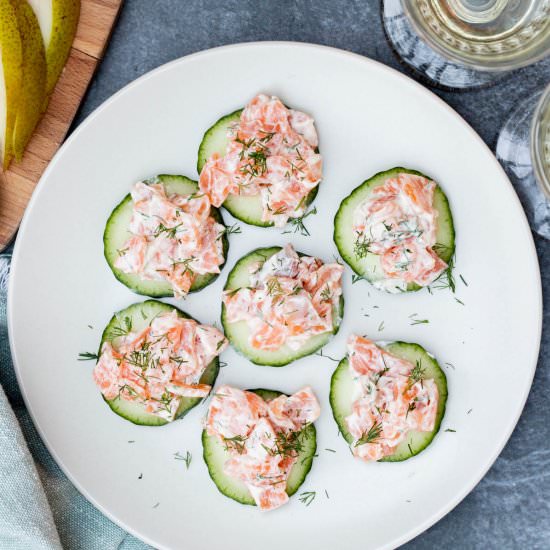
x=510, y=508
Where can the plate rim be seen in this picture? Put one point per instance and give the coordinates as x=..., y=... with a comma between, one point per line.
x=378, y=65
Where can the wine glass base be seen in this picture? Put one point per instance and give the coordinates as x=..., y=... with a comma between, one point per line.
x=425, y=62
x=514, y=153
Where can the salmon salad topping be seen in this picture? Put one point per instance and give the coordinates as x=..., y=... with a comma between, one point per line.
x=290, y=298
x=174, y=238
x=392, y=399
x=399, y=222
x=160, y=365
x=263, y=438
x=271, y=153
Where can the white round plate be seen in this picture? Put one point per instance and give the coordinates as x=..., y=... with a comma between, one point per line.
x=369, y=118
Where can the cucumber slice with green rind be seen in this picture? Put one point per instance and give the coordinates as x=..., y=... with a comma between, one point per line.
x=140, y=315
x=248, y=209
x=215, y=456
x=342, y=389
x=369, y=267
x=116, y=234
x=238, y=333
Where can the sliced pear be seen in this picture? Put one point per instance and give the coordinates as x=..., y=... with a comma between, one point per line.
x=58, y=20
x=10, y=78
x=33, y=85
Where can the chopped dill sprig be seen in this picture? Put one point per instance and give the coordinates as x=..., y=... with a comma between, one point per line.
x=321, y=354
x=123, y=327
x=326, y=493
x=230, y=230
x=361, y=247
x=381, y=326
x=288, y=445
x=446, y=279
x=186, y=458
x=419, y=322
x=326, y=294
x=274, y=287
x=87, y=356
x=297, y=224
x=450, y=430
x=170, y=231
x=355, y=278
x=417, y=374
x=370, y=436
x=307, y=497
x=235, y=443
x=463, y=280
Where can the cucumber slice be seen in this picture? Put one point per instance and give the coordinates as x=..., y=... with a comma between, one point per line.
x=342, y=390
x=248, y=209
x=369, y=267
x=116, y=234
x=215, y=455
x=139, y=316
x=238, y=333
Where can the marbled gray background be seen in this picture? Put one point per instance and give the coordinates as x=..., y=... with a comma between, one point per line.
x=510, y=508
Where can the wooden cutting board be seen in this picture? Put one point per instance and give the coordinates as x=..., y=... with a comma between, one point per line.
x=97, y=18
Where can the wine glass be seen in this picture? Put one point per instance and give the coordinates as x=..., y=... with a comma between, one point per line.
x=523, y=149
x=467, y=43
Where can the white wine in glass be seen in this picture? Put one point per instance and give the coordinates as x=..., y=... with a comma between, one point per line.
x=523, y=149
x=467, y=43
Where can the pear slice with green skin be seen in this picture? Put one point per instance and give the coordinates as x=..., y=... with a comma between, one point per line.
x=58, y=20
x=33, y=86
x=10, y=78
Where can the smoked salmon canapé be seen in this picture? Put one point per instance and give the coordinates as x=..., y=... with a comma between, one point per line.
x=388, y=399
x=396, y=231
x=279, y=305
x=259, y=445
x=261, y=162
x=156, y=363
x=165, y=238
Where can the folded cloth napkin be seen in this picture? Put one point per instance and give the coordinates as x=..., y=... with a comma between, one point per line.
x=40, y=509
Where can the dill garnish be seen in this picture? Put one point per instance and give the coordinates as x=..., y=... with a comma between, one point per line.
x=419, y=322
x=170, y=231
x=417, y=374
x=307, y=497
x=321, y=354
x=446, y=279
x=186, y=458
x=298, y=223
x=235, y=443
x=87, y=356
x=450, y=430
x=274, y=287
x=326, y=295
x=355, y=278
x=288, y=445
x=122, y=328
x=370, y=436
x=230, y=230
x=361, y=247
